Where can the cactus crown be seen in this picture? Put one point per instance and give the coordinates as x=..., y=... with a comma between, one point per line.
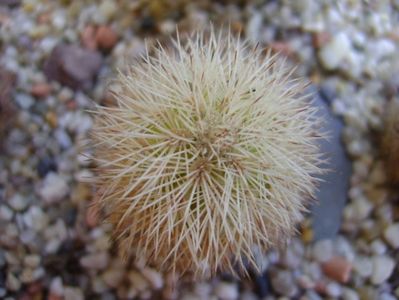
x=211, y=149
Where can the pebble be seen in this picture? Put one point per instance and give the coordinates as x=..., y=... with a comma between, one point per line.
x=363, y=266
x=283, y=283
x=337, y=268
x=6, y=214
x=387, y=296
x=383, y=266
x=18, y=202
x=36, y=218
x=73, y=66
x=391, y=234
x=73, y=293
x=227, y=291
x=153, y=277
x=108, y=9
x=88, y=37
x=333, y=53
x=32, y=260
x=349, y=294
x=12, y=282
x=41, y=90
x=202, y=289
x=24, y=101
x=378, y=247
x=113, y=277
x=56, y=286
x=138, y=281
x=323, y=250
x=333, y=289
x=106, y=38
x=96, y=261
x=54, y=188
x=63, y=138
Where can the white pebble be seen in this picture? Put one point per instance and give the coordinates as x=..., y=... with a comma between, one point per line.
x=73, y=293
x=349, y=294
x=323, y=250
x=153, y=277
x=12, y=282
x=202, y=289
x=113, y=277
x=95, y=261
x=226, y=291
x=6, y=213
x=52, y=246
x=24, y=101
x=56, y=286
x=32, y=260
x=63, y=138
x=363, y=266
x=335, y=51
x=108, y=9
x=383, y=266
x=35, y=218
x=138, y=281
x=333, y=289
x=387, y=296
x=378, y=247
x=391, y=234
x=54, y=188
x=18, y=202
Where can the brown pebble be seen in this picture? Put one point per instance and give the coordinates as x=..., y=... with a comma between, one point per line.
x=319, y=39
x=44, y=18
x=283, y=48
x=338, y=269
x=41, y=90
x=88, y=37
x=106, y=38
x=7, y=108
x=53, y=296
x=52, y=119
x=35, y=287
x=320, y=287
x=390, y=141
x=72, y=105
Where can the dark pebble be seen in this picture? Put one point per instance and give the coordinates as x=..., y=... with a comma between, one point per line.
x=73, y=66
x=45, y=166
x=262, y=285
x=148, y=24
x=10, y=3
x=70, y=216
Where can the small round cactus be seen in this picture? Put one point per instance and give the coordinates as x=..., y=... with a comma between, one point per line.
x=211, y=150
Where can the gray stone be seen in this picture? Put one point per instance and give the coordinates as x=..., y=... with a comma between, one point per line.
x=332, y=190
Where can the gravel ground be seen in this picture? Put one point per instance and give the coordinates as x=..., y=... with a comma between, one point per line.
x=57, y=58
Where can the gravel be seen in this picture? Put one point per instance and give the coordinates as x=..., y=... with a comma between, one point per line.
x=57, y=61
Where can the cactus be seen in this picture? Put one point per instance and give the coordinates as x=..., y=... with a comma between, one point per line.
x=211, y=150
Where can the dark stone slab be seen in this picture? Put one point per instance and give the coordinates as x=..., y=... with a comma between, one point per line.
x=332, y=191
